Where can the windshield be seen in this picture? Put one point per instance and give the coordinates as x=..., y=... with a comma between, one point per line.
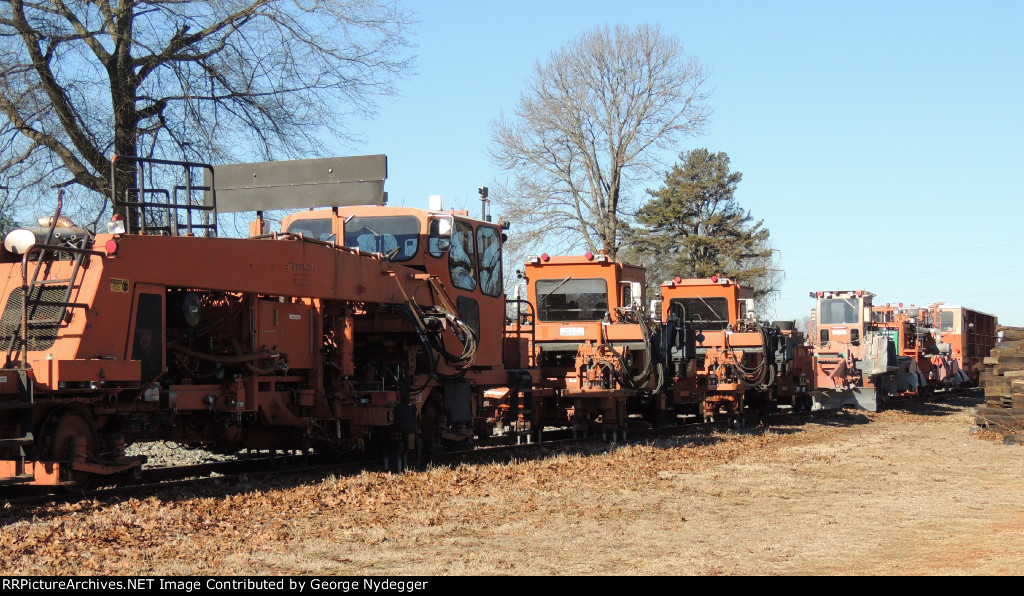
x=838, y=311
x=709, y=313
x=395, y=236
x=572, y=299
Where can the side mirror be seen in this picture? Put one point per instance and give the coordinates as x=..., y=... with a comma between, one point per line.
x=440, y=234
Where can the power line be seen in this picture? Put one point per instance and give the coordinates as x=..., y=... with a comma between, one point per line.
x=962, y=250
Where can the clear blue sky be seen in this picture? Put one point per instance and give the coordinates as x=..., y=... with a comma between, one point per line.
x=879, y=141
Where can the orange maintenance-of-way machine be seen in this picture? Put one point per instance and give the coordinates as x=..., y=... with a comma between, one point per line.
x=590, y=338
x=354, y=327
x=739, y=362
x=865, y=354
x=360, y=327
x=855, y=358
x=963, y=336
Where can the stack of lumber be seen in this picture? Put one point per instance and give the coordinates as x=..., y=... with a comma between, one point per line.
x=1003, y=384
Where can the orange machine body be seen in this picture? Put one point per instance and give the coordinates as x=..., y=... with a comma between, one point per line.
x=590, y=339
x=854, y=359
x=918, y=362
x=355, y=325
x=939, y=347
x=964, y=337
x=739, y=361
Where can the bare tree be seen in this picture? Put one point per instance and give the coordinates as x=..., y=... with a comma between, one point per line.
x=197, y=80
x=585, y=130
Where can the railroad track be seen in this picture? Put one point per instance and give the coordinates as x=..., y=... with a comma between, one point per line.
x=225, y=475
x=229, y=475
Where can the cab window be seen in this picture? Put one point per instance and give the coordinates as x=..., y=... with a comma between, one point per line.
x=488, y=240
x=572, y=299
x=837, y=311
x=708, y=313
x=319, y=229
x=439, y=236
x=462, y=257
x=395, y=236
x=469, y=312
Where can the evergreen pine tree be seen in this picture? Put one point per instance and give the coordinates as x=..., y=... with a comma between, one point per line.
x=693, y=227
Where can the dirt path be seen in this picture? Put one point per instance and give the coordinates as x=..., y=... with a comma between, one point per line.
x=908, y=491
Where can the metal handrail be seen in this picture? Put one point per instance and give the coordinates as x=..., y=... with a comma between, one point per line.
x=518, y=329
x=189, y=188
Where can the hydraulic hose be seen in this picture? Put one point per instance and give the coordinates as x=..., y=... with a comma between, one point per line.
x=763, y=374
x=220, y=358
x=465, y=334
x=431, y=358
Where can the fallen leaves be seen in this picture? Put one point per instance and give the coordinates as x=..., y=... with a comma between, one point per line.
x=373, y=522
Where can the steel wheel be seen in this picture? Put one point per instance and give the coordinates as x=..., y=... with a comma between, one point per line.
x=60, y=428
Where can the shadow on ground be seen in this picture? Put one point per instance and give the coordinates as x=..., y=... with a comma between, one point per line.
x=939, y=404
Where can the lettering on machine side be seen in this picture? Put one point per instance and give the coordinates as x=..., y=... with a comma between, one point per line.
x=305, y=267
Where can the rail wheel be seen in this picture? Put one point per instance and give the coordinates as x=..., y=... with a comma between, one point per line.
x=432, y=420
x=755, y=401
x=64, y=431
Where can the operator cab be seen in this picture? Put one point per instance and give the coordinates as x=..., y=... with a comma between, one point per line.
x=709, y=304
x=462, y=253
x=341, y=202
x=460, y=250
x=583, y=299
x=841, y=318
x=591, y=288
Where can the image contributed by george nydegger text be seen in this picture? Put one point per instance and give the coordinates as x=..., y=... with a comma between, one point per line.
x=294, y=585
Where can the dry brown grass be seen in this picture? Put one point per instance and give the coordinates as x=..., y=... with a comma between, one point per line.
x=907, y=491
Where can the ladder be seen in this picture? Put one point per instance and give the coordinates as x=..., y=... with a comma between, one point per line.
x=46, y=301
x=45, y=304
